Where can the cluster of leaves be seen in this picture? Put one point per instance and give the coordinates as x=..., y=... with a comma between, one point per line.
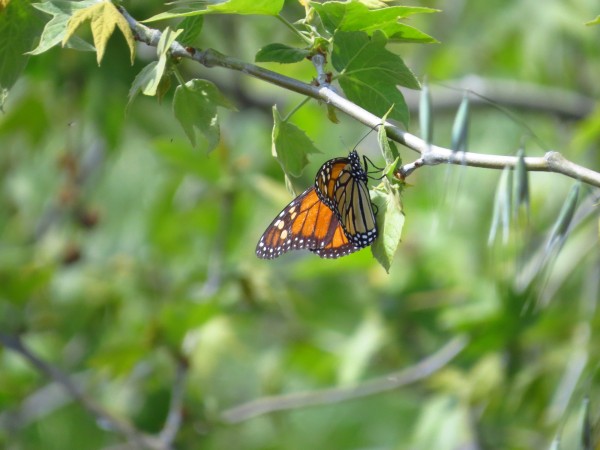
x=352, y=34
x=167, y=271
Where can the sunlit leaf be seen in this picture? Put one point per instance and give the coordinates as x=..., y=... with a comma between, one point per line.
x=103, y=17
x=167, y=38
x=369, y=74
x=153, y=75
x=55, y=28
x=596, y=21
x=188, y=9
x=290, y=145
x=332, y=114
x=146, y=81
x=355, y=16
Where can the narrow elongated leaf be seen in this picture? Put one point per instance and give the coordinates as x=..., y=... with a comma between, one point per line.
x=281, y=53
x=425, y=114
x=390, y=221
x=502, y=208
x=290, y=145
x=370, y=74
x=388, y=148
x=260, y=7
x=565, y=216
x=586, y=427
x=195, y=107
x=103, y=17
x=522, y=183
x=460, y=128
x=355, y=16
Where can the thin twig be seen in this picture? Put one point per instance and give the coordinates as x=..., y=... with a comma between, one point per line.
x=419, y=371
x=550, y=162
x=134, y=436
x=175, y=415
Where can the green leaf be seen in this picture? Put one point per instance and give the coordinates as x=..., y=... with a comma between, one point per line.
x=561, y=226
x=388, y=148
x=192, y=27
x=167, y=38
x=425, y=121
x=521, y=183
x=290, y=145
x=502, y=208
x=20, y=26
x=146, y=81
x=596, y=21
x=355, y=16
x=188, y=9
x=390, y=221
x=55, y=28
x=151, y=77
x=104, y=17
x=280, y=53
x=460, y=128
x=369, y=74
x=195, y=107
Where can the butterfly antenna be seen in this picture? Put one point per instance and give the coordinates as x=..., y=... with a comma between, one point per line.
x=365, y=136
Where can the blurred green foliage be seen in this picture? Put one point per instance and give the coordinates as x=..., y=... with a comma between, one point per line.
x=124, y=250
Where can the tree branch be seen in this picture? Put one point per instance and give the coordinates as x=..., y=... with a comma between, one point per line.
x=550, y=162
x=134, y=436
x=174, y=417
x=392, y=381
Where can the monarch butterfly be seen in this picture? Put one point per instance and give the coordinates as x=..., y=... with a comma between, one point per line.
x=333, y=218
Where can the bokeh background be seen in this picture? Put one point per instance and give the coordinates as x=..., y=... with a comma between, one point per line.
x=125, y=253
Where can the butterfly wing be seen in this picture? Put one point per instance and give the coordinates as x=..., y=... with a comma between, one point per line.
x=341, y=184
x=325, y=181
x=306, y=223
x=355, y=211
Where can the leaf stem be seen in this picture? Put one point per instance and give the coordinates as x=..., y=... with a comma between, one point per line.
x=296, y=108
x=179, y=77
x=294, y=29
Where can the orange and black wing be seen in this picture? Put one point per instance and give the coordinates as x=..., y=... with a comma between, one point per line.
x=341, y=184
x=327, y=177
x=306, y=223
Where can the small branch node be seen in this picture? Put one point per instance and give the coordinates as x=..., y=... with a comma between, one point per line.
x=409, y=168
